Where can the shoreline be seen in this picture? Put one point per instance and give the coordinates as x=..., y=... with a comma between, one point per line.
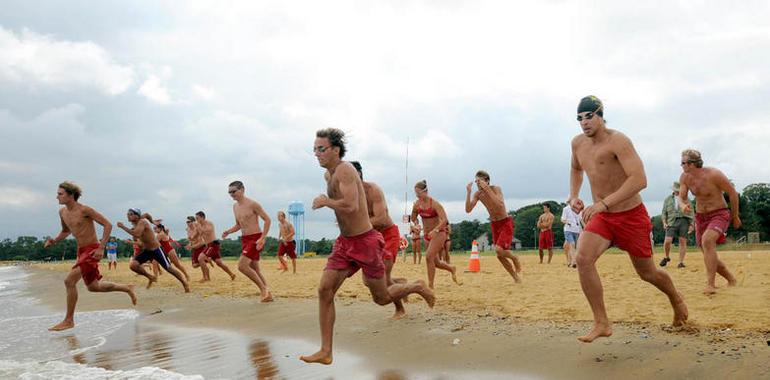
x=422, y=343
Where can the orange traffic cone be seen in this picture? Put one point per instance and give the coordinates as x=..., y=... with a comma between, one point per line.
x=474, y=264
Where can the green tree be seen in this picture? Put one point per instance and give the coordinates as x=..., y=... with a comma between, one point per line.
x=755, y=209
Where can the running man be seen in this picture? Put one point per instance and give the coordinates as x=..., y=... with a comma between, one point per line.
x=164, y=237
x=544, y=223
x=617, y=216
x=212, y=253
x=142, y=230
x=491, y=197
x=112, y=253
x=78, y=219
x=196, y=246
x=286, y=244
x=677, y=225
x=415, y=230
x=573, y=226
x=359, y=246
x=247, y=213
x=712, y=217
x=435, y=221
x=381, y=221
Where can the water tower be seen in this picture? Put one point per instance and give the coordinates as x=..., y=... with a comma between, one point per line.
x=297, y=218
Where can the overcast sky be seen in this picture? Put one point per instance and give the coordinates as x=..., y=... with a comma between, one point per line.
x=160, y=104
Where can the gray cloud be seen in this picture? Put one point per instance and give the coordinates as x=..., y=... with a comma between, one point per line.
x=237, y=92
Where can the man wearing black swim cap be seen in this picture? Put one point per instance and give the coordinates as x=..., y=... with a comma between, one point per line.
x=617, y=216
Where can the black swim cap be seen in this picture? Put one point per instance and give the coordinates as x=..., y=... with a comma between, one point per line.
x=591, y=104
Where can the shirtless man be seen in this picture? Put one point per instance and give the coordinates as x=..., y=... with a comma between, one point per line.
x=544, y=223
x=78, y=219
x=491, y=197
x=286, y=245
x=247, y=214
x=359, y=246
x=212, y=252
x=196, y=245
x=381, y=221
x=712, y=217
x=415, y=229
x=616, y=217
x=143, y=230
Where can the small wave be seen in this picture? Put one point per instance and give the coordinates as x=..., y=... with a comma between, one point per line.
x=58, y=369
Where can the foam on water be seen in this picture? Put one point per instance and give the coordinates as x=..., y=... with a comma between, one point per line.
x=62, y=370
x=29, y=351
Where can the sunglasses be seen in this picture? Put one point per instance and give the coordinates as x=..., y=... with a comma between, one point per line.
x=320, y=149
x=589, y=115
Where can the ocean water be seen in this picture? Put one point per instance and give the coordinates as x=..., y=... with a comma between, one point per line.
x=121, y=344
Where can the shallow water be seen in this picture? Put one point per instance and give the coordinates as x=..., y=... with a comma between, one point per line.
x=120, y=344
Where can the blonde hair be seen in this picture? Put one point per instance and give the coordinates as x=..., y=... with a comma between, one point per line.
x=71, y=189
x=693, y=157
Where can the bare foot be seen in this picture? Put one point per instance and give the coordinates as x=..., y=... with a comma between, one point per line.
x=132, y=294
x=454, y=275
x=732, y=282
x=680, y=312
x=151, y=281
x=232, y=277
x=203, y=280
x=597, y=332
x=399, y=280
x=517, y=279
x=267, y=297
x=398, y=315
x=708, y=290
x=63, y=325
x=426, y=293
x=186, y=287
x=319, y=357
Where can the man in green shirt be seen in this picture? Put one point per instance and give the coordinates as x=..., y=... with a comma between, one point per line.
x=677, y=225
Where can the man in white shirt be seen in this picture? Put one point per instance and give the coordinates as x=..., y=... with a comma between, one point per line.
x=573, y=226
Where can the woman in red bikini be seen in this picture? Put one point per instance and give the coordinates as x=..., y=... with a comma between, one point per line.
x=165, y=244
x=434, y=222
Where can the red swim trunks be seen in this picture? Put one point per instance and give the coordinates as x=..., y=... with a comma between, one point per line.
x=717, y=220
x=89, y=266
x=392, y=242
x=502, y=232
x=196, y=252
x=288, y=249
x=213, y=250
x=546, y=239
x=249, y=246
x=628, y=230
x=359, y=252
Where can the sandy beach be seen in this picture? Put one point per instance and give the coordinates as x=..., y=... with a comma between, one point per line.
x=488, y=323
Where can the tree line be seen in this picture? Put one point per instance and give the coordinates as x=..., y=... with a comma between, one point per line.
x=754, y=212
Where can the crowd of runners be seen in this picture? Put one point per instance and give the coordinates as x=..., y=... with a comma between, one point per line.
x=369, y=240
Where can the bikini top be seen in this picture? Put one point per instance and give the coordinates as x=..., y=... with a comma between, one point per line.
x=427, y=213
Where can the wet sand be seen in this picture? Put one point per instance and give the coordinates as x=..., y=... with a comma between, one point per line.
x=501, y=328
